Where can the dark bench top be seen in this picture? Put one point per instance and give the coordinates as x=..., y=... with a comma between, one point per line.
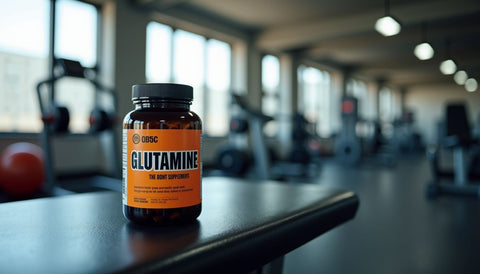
x=244, y=224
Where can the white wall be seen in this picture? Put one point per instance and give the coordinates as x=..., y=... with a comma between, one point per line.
x=428, y=104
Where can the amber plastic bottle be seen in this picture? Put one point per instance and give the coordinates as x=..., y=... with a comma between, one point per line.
x=161, y=156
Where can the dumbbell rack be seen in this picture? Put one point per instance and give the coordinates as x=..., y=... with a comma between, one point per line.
x=56, y=119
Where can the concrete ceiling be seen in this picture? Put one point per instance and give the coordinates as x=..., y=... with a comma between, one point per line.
x=340, y=33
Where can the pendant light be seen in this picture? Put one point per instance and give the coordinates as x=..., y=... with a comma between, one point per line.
x=471, y=85
x=424, y=50
x=460, y=77
x=388, y=25
x=448, y=66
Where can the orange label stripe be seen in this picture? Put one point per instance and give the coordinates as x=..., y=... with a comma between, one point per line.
x=163, y=168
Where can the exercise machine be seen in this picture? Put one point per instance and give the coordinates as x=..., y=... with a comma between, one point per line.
x=455, y=135
x=361, y=139
x=56, y=120
x=234, y=158
x=260, y=161
x=348, y=147
x=406, y=138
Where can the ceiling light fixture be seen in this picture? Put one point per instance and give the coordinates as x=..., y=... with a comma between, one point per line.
x=460, y=77
x=448, y=66
x=388, y=25
x=424, y=50
x=471, y=85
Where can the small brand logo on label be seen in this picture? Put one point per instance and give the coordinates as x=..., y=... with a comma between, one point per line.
x=136, y=138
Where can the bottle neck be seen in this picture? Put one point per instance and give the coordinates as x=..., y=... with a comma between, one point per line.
x=162, y=103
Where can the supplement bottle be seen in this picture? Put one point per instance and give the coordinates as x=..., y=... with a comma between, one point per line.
x=161, y=156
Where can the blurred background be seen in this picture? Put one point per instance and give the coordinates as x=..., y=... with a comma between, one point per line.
x=354, y=94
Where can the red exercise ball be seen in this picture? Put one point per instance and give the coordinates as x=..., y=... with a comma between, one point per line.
x=22, y=170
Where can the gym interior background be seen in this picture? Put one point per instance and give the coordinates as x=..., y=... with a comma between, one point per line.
x=284, y=58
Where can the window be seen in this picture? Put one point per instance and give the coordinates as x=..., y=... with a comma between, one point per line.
x=386, y=111
x=358, y=89
x=76, y=31
x=187, y=58
x=24, y=60
x=270, y=83
x=315, y=98
x=218, y=85
x=386, y=106
x=189, y=66
x=76, y=34
x=158, y=53
x=370, y=106
x=270, y=86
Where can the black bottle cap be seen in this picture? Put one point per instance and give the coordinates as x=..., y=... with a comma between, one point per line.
x=162, y=91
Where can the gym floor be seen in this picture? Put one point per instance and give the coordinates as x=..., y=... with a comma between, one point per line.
x=397, y=229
